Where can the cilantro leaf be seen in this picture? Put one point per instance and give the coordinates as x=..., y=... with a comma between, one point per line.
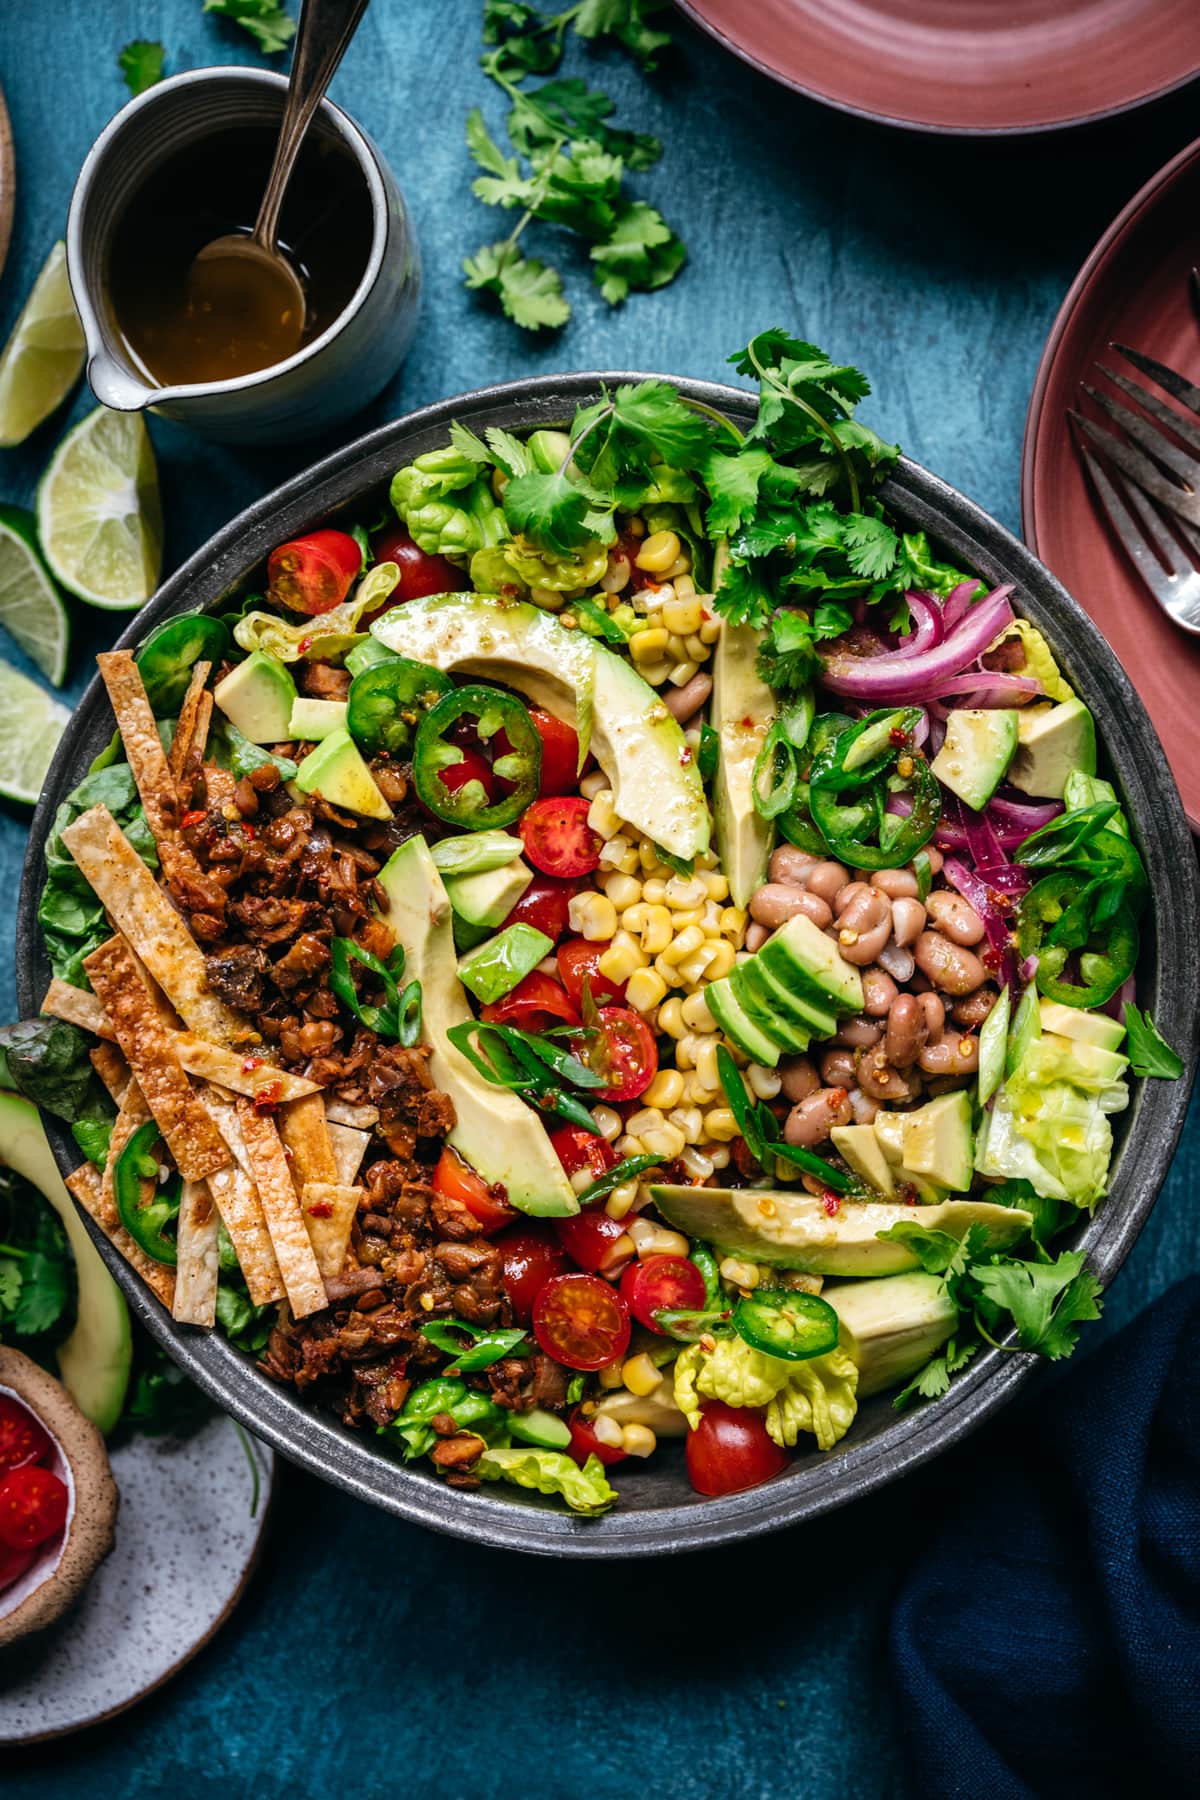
x=141, y=63
x=508, y=452
x=787, y=657
x=550, y=509
x=503, y=184
x=268, y=24
x=1149, y=1051
x=45, y=1292
x=529, y=292
x=653, y=415
x=934, y=1379
x=733, y=483
x=10, y=1284
x=641, y=251
x=627, y=21
x=1048, y=1301
x=872, y=547
x=742, y=599
x=830, y=619
x=468, y=444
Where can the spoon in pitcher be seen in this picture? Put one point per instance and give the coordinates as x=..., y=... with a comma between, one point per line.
x=245, y=277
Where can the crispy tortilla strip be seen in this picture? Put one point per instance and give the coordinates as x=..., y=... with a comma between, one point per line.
x=145, y=916
x=306, y=1139
x=86, y=1186
x=229, y=1070
x=192, y=1138
x=189, y=775
x=196, y=1276
x=281, y=1209
x=77, y=1007
x=112, y=1069
x=361, y=1117
x=143, y=747
x=190, y=714
x=349, y=1148
x=329, y=1209
x=237, y=1202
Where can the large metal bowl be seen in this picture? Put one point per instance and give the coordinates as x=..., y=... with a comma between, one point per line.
x=659, y=1511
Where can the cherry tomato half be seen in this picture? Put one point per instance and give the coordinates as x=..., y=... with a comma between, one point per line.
x=453, y=1178
x=544, y=905
x=531, y=1259
x=730, y=1450
x=33, y=1505
x=560, y=753
x=420, y=573
x=631, y=1052
x=557, y=837
x=536, y=1002
x=473, y=767
x=579, y=960
x=22, y=1439
x=313, y=574
x=578, y=1149
x=660, y=1281
x=595, y=1242
x=13, y=1564
x=581, y=1322
x=585, y=1443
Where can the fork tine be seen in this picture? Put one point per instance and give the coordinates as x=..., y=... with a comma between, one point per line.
x=1148, y=435
x=1129, y=532
x=1140, y=470
x=1155, y=526
x=1182, y=427
x=1179, y=385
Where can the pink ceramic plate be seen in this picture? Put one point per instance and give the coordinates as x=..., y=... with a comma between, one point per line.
x=968, y=66
x=1133, y=289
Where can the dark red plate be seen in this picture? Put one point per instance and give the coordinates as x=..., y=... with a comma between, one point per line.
x=1133, y=289
x=973, y=67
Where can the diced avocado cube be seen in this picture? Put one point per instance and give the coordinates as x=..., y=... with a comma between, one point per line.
x=494, y=968
x=1087, y=1027
x=889, y=1132
x=937, y=1140
x=1052, y=741
x=979, y=745
x=804, y=959
x=736, y=1023
x=336, y=771
x=258, y=697
x=314, y=720
x=488, y=897
x=545, y=1429
x=860, y=1147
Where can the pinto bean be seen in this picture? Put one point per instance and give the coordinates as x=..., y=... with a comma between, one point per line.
x=900, y=964
x=858, y=1033
x=934, y=1008
x=955, y=1053
x=897, y=884
x=908, y=921
x=683, y=701
x=955, y=917
x=974, y=1008
x=906, y=1031
x=879, y=990
x=824, y=880
x=863, y=923
x=799, y=1078
x=788, y=864
x=936, y=859
x=951, y=967
x=756, y=935
x=863, y=1107
x=880, y=1081
x=811, y=1122
x=775, y=903
x=838, y=1068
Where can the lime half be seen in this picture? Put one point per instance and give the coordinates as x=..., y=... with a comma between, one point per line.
x=99, y=512
x=30, y=607
x=31, y=723
x=41, y=361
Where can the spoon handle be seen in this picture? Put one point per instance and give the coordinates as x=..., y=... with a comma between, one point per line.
x=322, y=37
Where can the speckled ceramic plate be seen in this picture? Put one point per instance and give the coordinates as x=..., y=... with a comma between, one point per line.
x=187, y=1543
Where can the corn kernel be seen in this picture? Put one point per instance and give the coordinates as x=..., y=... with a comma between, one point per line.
x=428, y=1302
x=651, y=925
x=628, y=1145
x=607, y=1122
x=665, y=1090
x=656, y=1240
x=622, y=958
x=684, y=586
x=710, y=631
x=696, y=647
x=664, y=1141
x=707, y=1075
x=718, y=1156
x=681, y=566
x=693, y=969
x=622, y=890
x=593, y=916
x=765, y=1083
x=549, y=599
x=643, y=1119
x=698, y=1166
x=658, y=552
x=715, y=884
x=684, y=891
x=649, y=645
x=733, y=924
x=742, y=1274
x=655, y=673
x=680, y=673
x=670, y=1019
x=581, y=1179
x=654, y=890
x=682, y=616
x=688, y=1119
x=594, y=784
x=638, y=1440
x=678, y=949
x=616, y=577
x=696, y=1015
x=606, y=1429
x=644, y=990
x=640, y=1375
x=621, y=1200
x=601, y=816
x=635, y=525
x=721, y=1124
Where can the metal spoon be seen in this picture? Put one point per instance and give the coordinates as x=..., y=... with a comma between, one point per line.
x=217, y=276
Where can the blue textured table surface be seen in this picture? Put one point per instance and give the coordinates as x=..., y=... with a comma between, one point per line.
x=372, y=1654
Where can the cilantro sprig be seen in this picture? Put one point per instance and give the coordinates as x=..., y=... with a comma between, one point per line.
x=266, y=21
x=1149, y=1051
x=141, y=63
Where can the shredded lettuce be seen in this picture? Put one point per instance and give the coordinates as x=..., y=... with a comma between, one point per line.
x=324, y=635
x=585, y=1490
x=1039, y=658
x=818, y=1395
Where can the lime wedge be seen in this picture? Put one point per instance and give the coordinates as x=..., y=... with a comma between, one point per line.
x=99, y=512
x=31, y=723
x=41, y=361
x=30, y=607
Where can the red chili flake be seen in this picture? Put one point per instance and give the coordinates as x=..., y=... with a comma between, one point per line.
x=831, y=1203
x=990, y=958
x=304, y=644
x=320, y=1209
x=268, y=1096
x=196, y=816
x=747, y=723
x=250, y=1064
x=897, y=735
x=685, y=756
x=249, y=830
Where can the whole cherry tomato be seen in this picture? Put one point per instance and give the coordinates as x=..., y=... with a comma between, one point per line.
x=585, y=1443
x=662, y=1281
x=33, y=1507
x=630, y=1051
x=536, y=1003
x=544, y=905
x=420, y=573
x=579, y=961
x=22, y=1439
x=578, y=1149
x=595, y=1242
x=581, y=1321
x=557, y=837
x=313, y=574
x=453, y=1178
x=730, y=1450
x=560, y=753
x=531, y=1259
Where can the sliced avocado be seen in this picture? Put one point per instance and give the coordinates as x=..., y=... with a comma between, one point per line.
x=336, y=771
x=497, y=1134
x=773, y=1021
x=1092, y=790
x=1086, y=1027
x=891, y=1328
x=755, y=980
x=979, y=745
x=94, y=1361
x=1053, y=741
x=794, y=1231
x=258, y=697
x=859, y=1146
x=937, y=1141
x=545, y=1429
x=1085, y=1065
x=741, y=712
x=889, y=1132
x=804, y=959
x=314, y=720
x=655, y=782
x=495, y=967
x=488, y=897
x=993, y=1045
x=737, y=1024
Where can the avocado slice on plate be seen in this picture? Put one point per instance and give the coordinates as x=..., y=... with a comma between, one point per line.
x=737, y=1024
x=764, y=994
x=805, y=960
x=741, y=711
x=979, y=745
x=891, y=1328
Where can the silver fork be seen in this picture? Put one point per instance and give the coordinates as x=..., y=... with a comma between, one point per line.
x=1128, y=498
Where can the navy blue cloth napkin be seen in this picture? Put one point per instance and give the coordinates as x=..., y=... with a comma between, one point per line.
x=1047, y=1639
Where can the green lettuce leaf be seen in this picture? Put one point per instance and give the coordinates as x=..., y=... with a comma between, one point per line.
x=818, y=1395
x=326, y=635
x=585, y=1490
